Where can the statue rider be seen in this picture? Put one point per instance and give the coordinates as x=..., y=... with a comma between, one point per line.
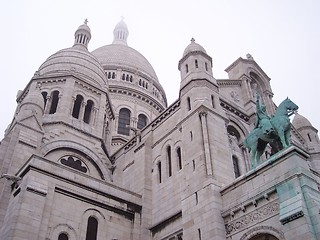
x=263, y=120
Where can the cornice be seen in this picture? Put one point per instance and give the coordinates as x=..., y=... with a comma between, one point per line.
x=232, y=109
x=115, y=89
x=194, y=53
x=229, y=82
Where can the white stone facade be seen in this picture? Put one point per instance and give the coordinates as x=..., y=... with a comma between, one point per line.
x=86, y=169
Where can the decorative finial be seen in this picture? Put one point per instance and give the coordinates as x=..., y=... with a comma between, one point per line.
x=192, y=40
x=86, y=21
x=249, y=57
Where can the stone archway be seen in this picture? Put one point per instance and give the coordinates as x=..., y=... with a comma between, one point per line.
x=263, y=233
x=264, y=237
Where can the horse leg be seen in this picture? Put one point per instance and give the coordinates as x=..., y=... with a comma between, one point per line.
x=287, y=137
x=253, y=155
x=282, y=137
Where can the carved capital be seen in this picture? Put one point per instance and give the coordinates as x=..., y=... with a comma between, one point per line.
x=203, y=114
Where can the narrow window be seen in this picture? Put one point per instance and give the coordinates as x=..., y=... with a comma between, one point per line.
x=77, y=106
x=109, y=75
x=212, y=100
x=130, y=78
x=63, y=236
x=194, y=165
x=159, y=171
x=309, y=137
x=199, y=233
x=44, y=95
x=123, y=77
x=87, y=111
x=81, y=38
x=187, y=68
x=191, y=136
x=54, y=102
x=196, y=63
x=92, y=229
x=124, y=121
x=206, y=66
x=127, y=77
x=197, y=198
x=142, y=121
x=139, y=82
x=146, y=85
x=189, y=103
x=169, y=160
x=236, y=166
x=113, y=75
x=179, y=158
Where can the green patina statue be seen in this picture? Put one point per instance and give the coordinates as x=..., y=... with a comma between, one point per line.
x=274, y=130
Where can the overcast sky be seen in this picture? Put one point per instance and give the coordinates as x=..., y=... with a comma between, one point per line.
x=283, y=36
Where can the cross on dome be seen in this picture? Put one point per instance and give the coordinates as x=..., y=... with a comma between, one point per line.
x=86, y=21
x=192, y=40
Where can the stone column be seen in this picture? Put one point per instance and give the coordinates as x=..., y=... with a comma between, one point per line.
x=205, y=136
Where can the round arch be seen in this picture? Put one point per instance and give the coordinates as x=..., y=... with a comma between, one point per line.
x=94, y=159
x=261, y=232
x=63, y=228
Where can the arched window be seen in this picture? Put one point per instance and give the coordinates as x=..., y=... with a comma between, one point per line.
x=189, y=103
x=77, y=106
x=142, y=121
x=54, y=102
x=179, y=158
x=44, y=95
x=88, y=111
x=109, y=75
x=113, y=75
x=236, y=166
x=63, y=236
x=124, y=121
x=159, y=171
x=92, y=229
x=169, y=161
x=187, y=68
x=196, y=63
x=123, y=76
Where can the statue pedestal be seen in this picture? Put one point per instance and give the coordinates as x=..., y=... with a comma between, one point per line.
x=279, y=197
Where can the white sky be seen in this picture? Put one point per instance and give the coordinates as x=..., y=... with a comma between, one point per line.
x=282, y=36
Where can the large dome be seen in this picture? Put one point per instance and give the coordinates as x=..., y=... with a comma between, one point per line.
x=124, y=57
x=77, y=61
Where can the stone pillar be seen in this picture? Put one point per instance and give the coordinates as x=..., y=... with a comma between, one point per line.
x=205, y=136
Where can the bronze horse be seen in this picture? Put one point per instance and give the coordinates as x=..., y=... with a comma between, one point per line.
x=278, y=136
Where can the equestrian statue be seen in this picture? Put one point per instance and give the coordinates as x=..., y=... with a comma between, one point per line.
x=274, y=130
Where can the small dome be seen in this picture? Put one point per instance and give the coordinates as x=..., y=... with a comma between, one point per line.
x=120, y=33
x=84, y=27
x=76, y=61
x=300, y=121
x=193, y=47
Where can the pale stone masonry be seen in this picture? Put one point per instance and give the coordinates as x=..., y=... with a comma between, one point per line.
x=95, y=153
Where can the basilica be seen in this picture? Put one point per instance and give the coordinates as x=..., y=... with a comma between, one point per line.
x=95, y=152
